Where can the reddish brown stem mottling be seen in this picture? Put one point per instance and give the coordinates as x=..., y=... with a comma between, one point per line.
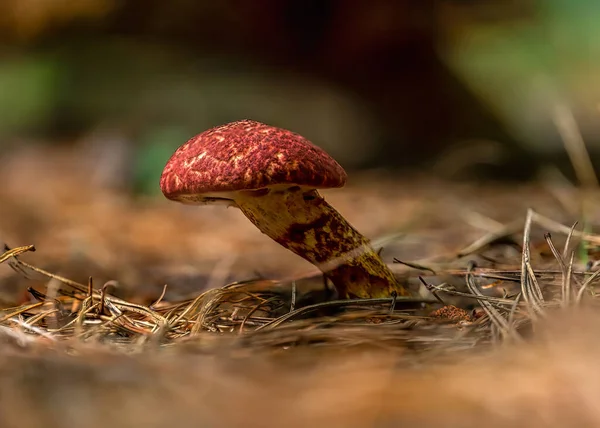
x=303, y=222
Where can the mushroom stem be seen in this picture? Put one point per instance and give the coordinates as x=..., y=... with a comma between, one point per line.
x=303, y=222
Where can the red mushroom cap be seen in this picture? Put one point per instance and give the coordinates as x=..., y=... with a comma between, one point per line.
x=247, y=155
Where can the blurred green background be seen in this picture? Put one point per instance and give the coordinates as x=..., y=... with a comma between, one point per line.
x=456, y=87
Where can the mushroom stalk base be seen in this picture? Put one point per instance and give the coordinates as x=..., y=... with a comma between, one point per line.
x=303, y=222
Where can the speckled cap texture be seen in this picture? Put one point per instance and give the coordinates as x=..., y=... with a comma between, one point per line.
x=247, y=155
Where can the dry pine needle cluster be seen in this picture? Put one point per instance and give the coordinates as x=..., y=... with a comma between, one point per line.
x=267, y=315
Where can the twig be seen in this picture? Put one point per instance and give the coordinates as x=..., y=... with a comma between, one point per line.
x=489, y=238
x=574, y=145
x=8, y=253
x=529, y=291
x=162, y=295
x=432, y=290
x=414, y=266
x=567, y=282
x=339, y=303
x=554, y=226
x=249, y=314
x=293, y=297
x=490, y=299
x=497, y=319
x=21, y=310
x=585, y=285
x=568, y=240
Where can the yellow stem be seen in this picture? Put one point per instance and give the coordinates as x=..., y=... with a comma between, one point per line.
x=303, y=222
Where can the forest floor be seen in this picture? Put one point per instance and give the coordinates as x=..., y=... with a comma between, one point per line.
x=146, y=342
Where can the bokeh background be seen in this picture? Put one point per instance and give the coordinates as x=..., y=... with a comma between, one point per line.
x=455, y=88
x=421, y=100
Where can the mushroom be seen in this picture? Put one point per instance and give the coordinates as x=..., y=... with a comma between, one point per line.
x=273, y=175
